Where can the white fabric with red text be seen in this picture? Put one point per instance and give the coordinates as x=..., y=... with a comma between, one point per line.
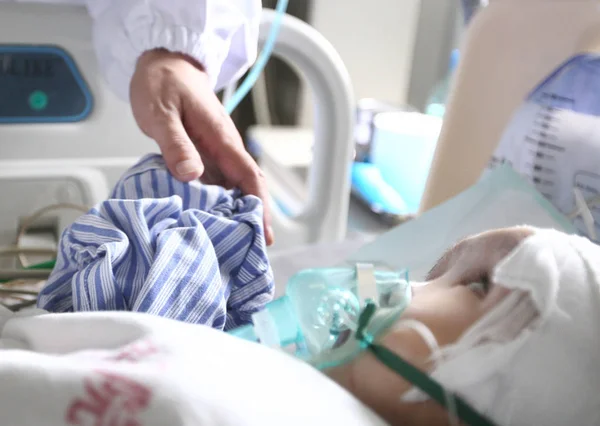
x=124, y=369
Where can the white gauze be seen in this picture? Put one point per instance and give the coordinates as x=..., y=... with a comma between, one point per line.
x=535, y=358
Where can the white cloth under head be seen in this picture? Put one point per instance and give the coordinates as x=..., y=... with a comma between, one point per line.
x=535, y=358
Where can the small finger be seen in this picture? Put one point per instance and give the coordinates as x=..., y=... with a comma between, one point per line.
x=251, y=180
x=179, y=152
x=213, y=176
x=217, y=135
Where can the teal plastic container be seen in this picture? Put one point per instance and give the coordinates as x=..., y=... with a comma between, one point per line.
x=403, y=148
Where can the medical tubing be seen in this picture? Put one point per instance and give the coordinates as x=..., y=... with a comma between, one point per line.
x=245, y=332
x=281, y=312
x=413, y=375
x=261, y=61
x=429, y=338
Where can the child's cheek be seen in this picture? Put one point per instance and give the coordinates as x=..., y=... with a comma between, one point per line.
x=447, y=313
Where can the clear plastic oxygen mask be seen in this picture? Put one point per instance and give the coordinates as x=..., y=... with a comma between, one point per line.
x=317, y=318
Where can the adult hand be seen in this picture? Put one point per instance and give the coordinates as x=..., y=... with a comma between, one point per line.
x=174, y=104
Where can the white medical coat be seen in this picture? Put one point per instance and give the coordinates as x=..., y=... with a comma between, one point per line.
x=222, y=35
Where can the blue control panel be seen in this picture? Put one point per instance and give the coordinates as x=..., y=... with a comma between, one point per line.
x=41, y=84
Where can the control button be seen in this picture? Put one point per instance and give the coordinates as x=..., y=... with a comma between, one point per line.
x=38, y=100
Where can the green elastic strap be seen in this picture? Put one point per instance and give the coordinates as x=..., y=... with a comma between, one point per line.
x=50, y=264
x=411, y=374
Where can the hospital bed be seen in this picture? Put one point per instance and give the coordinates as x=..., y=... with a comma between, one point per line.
x=86, y=157
x=75, y=157
x=478, y=110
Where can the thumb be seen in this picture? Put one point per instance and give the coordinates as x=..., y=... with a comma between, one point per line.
x=180, y=154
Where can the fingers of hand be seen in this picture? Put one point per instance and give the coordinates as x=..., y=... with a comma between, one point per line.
x=217, y=138
x=179, y=152
x=213, y=176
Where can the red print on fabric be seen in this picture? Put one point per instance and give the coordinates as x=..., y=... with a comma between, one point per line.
x=136, y=351
x=110, y=400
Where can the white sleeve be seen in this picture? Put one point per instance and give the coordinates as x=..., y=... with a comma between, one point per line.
x=222, y=35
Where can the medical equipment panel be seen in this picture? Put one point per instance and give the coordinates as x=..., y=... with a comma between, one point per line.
x=106, y=139
x=41, y=84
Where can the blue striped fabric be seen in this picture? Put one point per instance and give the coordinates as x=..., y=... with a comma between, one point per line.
x=185, y=251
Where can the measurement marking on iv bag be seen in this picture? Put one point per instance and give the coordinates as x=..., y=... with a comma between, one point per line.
x=496, y=161
x=541, y=169
x=554, y=97
x=544, y=125
x=545, y=114
x=544, y=148
x=546, y=135
x=529, y=139
x=540, y=181
x=544, y=144
x=542, y=155
x=551, y=146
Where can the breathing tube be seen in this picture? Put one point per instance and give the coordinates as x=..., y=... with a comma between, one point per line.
x=261, y=61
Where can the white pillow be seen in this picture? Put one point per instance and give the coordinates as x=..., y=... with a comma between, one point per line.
x=78, y=368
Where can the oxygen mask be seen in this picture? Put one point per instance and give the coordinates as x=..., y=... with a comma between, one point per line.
x=317, y=318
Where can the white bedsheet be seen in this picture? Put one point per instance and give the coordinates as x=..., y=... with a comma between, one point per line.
x=126, y=369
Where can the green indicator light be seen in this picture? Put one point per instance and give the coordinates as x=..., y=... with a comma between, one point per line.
x=38, y=100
